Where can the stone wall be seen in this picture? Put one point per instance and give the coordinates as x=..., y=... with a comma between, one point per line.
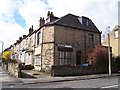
x=74, y=70
x=47, y=57
x=13, y=69
x=47, y=49
x=76, y=38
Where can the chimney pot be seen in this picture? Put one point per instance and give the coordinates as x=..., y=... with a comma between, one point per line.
x=24, y=36
x=32, y=26
x=30, y=30
x=20, y=38
x=48, y=14
x=51, y=14
x=41, y=22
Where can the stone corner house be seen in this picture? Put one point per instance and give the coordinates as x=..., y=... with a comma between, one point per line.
x=62, y=41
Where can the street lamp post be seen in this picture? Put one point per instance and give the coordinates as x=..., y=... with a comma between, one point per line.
x=109, y=52
x=2, y=46
x=109, y=55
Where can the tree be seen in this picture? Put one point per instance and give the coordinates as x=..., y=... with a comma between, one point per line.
x=7, y=55
x=98, y=56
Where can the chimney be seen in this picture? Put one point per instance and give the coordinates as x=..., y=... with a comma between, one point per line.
x=20, y=38
x=24, y=36
x=48, y=14
x=31, y=29
x=51, y=14
x=50, y=17
x=17, y=41
x=41, y=22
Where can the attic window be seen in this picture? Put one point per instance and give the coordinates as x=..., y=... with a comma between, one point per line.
x=80, y=20
x=86, y=22
x=116, y=34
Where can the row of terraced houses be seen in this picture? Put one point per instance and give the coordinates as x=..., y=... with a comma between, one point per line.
x=59, y=41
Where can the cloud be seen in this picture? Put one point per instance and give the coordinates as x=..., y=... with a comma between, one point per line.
x=103, y=13
x=18, y=15
x=10, y=30
x=32, y=10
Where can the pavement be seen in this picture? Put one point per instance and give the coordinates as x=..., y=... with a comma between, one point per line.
x=40, y=77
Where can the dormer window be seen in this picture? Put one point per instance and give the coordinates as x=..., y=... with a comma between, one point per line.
x=80, y=19
x=84, y=21
x=87, y=22
x=116, y=34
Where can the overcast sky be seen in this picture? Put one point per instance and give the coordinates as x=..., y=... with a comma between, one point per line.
x=16, y=16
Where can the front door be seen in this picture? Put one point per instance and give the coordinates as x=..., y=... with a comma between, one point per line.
x=78, y=57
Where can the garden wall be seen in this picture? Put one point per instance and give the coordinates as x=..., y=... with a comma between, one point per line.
x=13, y=69
x=74, y=70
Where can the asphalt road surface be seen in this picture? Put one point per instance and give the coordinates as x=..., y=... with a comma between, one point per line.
x=111, y=82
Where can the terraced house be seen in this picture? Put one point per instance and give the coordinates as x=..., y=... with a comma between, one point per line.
x=62, y=41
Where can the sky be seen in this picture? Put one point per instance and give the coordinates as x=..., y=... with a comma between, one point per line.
x=17, y=16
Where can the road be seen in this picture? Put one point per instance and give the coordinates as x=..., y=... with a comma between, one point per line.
x=102, y=83
x=7, y=80
x=111, y=82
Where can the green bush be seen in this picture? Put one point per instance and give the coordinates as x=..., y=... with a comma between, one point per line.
x=13, y=61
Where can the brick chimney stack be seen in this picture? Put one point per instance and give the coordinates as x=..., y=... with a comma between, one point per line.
x=50, y=14
x=24, y=36
x=20, y=38
x=41, y=22
x=31, y=29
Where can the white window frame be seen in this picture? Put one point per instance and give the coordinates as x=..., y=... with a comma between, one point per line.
x=38, y=60
x=64, y=58
x=116, y=34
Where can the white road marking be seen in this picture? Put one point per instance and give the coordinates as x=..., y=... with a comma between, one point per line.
x=112, y=86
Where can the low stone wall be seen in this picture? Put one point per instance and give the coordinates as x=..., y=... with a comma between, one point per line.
x=73, y=70
x=13, y=68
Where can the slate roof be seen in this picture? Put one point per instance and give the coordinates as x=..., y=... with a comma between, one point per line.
x=71, y=20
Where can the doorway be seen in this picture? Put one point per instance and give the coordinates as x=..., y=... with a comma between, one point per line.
x=78, y=57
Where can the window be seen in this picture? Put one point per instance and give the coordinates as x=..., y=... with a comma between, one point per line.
x=38, y=38
x=38, y=60
x=116, y=34
x=64, y=58
x=86, y=22
x=29, y=42
x=90, y=40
